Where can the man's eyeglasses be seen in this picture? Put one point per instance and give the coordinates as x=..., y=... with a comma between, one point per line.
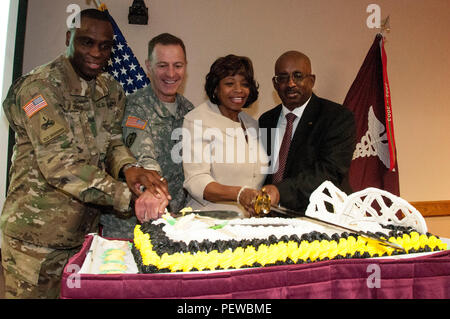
x=297, y=77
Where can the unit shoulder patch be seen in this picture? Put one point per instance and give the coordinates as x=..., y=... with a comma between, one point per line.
x=130, y=139
x=49, y=128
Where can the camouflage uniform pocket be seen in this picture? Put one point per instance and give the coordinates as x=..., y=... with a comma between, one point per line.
x=23, y=260
x=32, y=271
x=83, y=136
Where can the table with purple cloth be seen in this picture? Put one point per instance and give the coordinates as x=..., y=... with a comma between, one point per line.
x=425, y=276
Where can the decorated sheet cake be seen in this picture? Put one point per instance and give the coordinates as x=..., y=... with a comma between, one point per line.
x=199, y=243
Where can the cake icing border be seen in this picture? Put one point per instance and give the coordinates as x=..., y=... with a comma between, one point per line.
x=164, y=255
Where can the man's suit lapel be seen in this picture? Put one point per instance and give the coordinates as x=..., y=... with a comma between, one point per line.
x=270, y=123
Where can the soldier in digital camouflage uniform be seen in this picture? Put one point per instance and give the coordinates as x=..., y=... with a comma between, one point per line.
x=67, y=160
x=151, y=115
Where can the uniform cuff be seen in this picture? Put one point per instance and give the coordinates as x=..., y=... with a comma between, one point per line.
x=151, y=166
x=122, y=198
x=115, y=170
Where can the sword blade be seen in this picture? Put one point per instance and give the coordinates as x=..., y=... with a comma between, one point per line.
x=292, y=213
x=217, y=214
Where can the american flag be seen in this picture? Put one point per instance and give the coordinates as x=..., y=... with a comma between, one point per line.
x=36, y=104
x=123, y=65
x=136, y=122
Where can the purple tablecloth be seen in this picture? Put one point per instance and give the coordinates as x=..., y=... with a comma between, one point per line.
x=419, y=277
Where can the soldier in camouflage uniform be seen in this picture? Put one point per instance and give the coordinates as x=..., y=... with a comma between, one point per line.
x=151, y=115
x=67, y=160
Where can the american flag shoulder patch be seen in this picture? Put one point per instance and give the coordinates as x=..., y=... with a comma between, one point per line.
x=133, y=121
x=34, y=105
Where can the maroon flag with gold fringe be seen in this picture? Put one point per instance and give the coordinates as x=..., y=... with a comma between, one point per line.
x=374, y=161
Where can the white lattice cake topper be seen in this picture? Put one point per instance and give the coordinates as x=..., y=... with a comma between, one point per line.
x=369, y=206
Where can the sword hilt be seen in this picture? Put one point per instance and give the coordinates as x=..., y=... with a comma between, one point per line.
x=262, y=203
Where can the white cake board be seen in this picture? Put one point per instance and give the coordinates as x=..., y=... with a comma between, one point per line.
x=99, y=245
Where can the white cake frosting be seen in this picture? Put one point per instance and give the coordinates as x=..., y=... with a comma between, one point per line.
x=355, y=211
x=196, y=228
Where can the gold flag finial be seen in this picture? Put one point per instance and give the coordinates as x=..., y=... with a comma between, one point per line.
x=100, y=6
x=385, y=25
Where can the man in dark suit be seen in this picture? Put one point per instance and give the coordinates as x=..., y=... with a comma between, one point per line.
x=319, y=141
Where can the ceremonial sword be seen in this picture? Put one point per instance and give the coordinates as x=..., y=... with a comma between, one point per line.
x=263, y=206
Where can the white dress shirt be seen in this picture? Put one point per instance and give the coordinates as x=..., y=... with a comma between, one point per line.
x=281, y=127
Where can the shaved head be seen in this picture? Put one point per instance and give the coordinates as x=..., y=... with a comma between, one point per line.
x=293, y=80
x=294, y=55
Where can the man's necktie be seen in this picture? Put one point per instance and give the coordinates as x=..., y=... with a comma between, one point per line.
x=284, y=149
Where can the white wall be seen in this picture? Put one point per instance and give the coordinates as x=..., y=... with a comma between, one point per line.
x=332, y=32
x=8, y=22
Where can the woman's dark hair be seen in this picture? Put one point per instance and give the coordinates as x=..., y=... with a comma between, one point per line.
x=231, y=65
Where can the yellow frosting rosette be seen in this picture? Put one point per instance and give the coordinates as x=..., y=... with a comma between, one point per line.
x=293, y=251
x=249, y=257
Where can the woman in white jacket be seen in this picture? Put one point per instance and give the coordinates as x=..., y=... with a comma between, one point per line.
x=224, y=163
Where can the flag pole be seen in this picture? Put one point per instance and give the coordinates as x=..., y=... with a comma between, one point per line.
x=385, y=26
x=100, y=6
